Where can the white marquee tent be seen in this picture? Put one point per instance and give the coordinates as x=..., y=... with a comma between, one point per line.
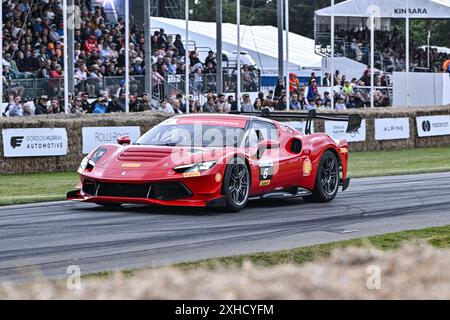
x=385, y=9
x=259, y=41
x=421, y=9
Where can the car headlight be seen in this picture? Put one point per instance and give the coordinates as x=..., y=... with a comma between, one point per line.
x=84, y=163
x=87, y=163
x=195, y=167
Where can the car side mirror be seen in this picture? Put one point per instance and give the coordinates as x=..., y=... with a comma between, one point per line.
x=123, y=140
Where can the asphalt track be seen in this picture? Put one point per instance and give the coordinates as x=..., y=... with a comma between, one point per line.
x=44, y=239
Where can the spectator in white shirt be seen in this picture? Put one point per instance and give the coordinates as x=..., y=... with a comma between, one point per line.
x=166, y=106
x=16, y=109
x=340, y=105
x=247, y=105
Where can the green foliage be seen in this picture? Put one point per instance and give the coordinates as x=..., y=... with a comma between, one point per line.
x=262, y=12
x=301, y=12
x=439, y=33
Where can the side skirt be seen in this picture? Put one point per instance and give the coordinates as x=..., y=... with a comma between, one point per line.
x=284, y=194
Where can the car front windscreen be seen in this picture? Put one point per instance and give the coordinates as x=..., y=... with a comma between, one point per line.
x=192, y=135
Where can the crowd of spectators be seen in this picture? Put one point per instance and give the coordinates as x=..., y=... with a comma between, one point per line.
x=33, y=48
x=347, y=94
x=390, y=50
x=105, y=103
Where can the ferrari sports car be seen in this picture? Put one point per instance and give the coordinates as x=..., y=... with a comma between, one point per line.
x=218, y=160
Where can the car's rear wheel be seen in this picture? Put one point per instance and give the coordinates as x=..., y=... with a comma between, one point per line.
x=327, y=179
x=236, y=184
x=109, y=205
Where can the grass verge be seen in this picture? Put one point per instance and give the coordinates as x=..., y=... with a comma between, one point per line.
x=438, y=237
x=30, y=188
x=409, y=161
x=18, y=189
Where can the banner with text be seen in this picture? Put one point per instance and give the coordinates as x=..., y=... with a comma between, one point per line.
x=299, y=125
x=337, y=130
x=391, y=128
x=94, y=137
x=428, y=126
x=34, y=142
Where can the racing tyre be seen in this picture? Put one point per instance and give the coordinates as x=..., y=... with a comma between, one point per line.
x=109, y=205
x=236, y=185
x=327, y=179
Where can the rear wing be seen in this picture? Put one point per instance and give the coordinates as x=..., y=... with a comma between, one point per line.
x=353, y=120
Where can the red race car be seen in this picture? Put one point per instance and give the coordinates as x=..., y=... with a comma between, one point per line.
x=218, y=160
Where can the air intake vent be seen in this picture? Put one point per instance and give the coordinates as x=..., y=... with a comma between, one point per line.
x=143, y=155
x=159, y=190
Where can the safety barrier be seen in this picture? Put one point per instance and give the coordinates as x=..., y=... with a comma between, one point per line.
x=62, y=148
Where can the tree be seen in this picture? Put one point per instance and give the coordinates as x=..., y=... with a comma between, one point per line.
x=301, y=17
x=262, y=12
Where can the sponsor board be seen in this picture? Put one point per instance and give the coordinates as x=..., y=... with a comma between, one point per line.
x=299, y=125
x=94, y=137
x=428, y=126
x=391, y=128
x=410, y=11
x=337, y=130
x=34, y=142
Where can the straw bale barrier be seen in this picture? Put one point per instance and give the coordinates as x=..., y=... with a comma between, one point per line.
x=415, y=271
x=73, y=125
x=146, y=120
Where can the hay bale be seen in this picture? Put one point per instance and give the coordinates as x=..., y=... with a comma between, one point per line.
x=147, y=120
x=412, y=272
x=73, y=125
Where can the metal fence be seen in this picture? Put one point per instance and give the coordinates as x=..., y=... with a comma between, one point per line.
x=200, y=84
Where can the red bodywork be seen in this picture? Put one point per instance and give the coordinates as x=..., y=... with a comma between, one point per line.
x=137, y=165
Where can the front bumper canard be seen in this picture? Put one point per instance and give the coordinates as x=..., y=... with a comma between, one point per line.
x=345, y=184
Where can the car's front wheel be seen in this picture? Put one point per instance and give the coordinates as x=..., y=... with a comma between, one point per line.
x=236, y=184
x=327, y=179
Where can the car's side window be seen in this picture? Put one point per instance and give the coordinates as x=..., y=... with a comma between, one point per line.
x=259, y=131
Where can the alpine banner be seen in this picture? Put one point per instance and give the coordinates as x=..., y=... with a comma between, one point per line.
x=391, y=128
x=34, y=142
x=429, y=126
x=94, y=137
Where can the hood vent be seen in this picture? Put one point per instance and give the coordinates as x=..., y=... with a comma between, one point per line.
x=144, y=154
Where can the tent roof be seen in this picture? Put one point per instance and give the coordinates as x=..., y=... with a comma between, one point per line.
x=425, y=9
x=260, y=39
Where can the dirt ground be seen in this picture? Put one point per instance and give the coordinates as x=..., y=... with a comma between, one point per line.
x=413, y=272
